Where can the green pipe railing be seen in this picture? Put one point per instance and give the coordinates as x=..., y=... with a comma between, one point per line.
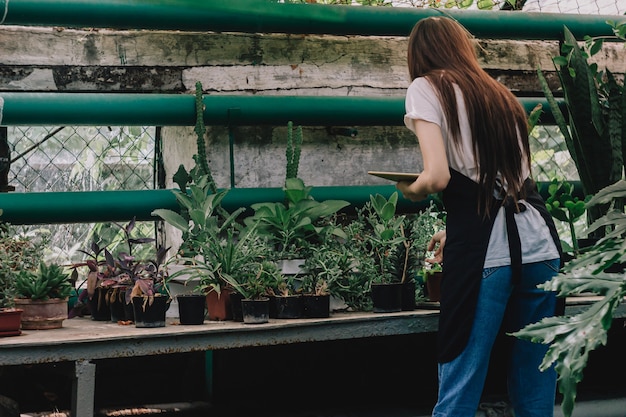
x=105, y=206
x=264, y=17
x=126, y=109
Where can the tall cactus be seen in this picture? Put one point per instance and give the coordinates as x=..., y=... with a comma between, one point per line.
x=292, y=153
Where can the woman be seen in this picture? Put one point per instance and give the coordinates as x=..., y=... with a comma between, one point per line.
x=500, y=242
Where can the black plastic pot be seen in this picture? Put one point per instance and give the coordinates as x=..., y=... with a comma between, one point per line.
x=288, y=306
x=408, y=296
x=316, y=306
x=191, y=308
x=386, y=297
x=150, y=314
x=255, y=311
x=98, y=306
x=235, y=304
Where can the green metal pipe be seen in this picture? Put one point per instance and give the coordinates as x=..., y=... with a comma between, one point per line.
x=267, y=17
x=110, y=109
x=105, y=206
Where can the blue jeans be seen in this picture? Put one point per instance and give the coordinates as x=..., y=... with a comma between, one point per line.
x=531, y=392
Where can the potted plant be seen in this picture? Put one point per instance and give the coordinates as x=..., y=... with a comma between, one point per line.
x=431, y=276
x=390, y=252
x=110, y=277
x=43, y=295
x=346, y=265
x=286, y=301
x=420, y=228
x=252, y=284
x=330, y=269
x=204, y=224
x=17, y=252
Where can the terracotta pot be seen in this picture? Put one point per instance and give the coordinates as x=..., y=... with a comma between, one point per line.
x=219, y=305
x=10, y=321
x=42, y=314
x=433, y=286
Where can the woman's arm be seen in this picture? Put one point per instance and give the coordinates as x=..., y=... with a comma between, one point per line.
x=436, y=174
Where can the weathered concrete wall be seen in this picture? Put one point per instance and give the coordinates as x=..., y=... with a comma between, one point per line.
x=68, y=60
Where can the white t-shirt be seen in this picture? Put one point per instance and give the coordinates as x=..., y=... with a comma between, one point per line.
x=422, y=103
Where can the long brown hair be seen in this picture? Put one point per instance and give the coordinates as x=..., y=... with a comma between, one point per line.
x=441, y=50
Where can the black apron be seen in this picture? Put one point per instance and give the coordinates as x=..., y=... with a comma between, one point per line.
x=467, y=239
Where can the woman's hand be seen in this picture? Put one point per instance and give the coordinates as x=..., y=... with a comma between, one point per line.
x=437, y=242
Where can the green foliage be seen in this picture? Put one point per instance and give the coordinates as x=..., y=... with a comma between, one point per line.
x=200, y=158
x=48, y=281
x=350, y=265
x=571, y=339
x=296, y=224
x=596, y=109
x=231, y=257
x=388, y=240
x=201, y=216
x=565, y=207
x=17, y=253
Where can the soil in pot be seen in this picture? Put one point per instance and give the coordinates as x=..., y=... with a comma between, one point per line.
x=316, y=306
x=191, y=308
x=255, y=311
x=386, y=297
x=288, y=306
x=150, y=314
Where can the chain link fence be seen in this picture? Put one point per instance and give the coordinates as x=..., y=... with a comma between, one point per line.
x=82, y=158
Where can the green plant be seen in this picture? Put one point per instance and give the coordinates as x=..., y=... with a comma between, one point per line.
x=327, y=265
x=565, y=207
x=201, y=216
x=390, y=248
x=293, y=151
x=420, y=228
x=571, y=339
x=299, y=222
x=17, y=252
x=48, y=281
x=346, y=264
x=253, y=282
x=226, y=257
x=596, y=113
